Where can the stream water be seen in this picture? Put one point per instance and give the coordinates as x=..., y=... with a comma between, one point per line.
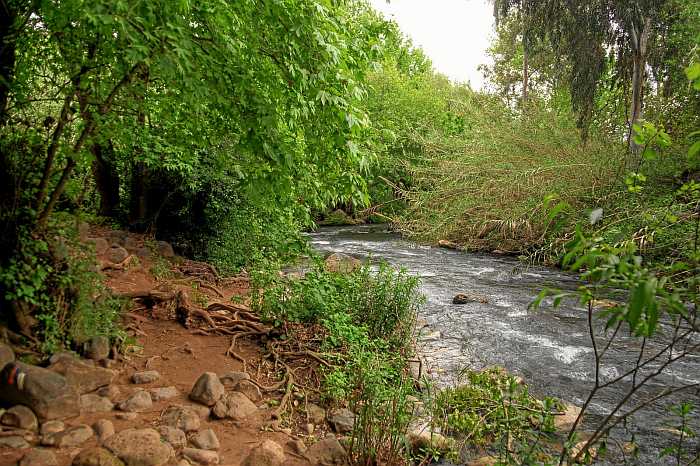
x=549, y=348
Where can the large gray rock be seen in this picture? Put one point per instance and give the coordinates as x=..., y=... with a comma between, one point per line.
x=164, y=249
x=145, y=377
x=327, y=452
x=208, y=389
x=94, y=403
x=39, y=457
x=6, y=355
x=47, y=393
x=117, y=254
x=268, y=453
x=206, y=440
x=84, y=377
x=173, y=436
x=234, y=405
x=204, y=457
x=140, y=447
x=21, y=417
x=138, y=402
x=342, y=420
x=181, y=417
x=96, y=456
x=71, y=437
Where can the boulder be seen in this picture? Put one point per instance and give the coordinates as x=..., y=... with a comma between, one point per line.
x=97, y=348
x=39, y=457
x=83, y=376
x=250, y=390
x=202, y=411
x=173, y=436
x=465, y=298
x=205, y=440
x=181, y=417
x=131, y=243
x=116, y=254
x=51, y=427
x=230, y=380
x=145, y=377
x=111, y=391
x=327, y=452
x=13, y=441
x=268, y=453
x=204, y=457
x=104, y=429
x=71, y=437
x=99, y=244
x=164, y=249
x=45, y=392
x=341, y=263
x=94, y=403
x=342, y=420
x=315, y=413
x=140, y=447
x=21, y=417
x=96, y=456
x=234, y=405
x=7, y=355
x=208, y=389
x=298, y=446
x=138, y=402
x=163, y=393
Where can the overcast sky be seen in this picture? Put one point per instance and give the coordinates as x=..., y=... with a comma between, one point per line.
x=453, y=33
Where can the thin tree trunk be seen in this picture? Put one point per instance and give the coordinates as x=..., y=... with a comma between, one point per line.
x=139, y=202
x=639, y=49
x=106, y=178
x=8, y=17
x=526, y=74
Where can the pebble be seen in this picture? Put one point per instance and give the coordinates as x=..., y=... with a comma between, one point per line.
x=52, y=427
x=208, y=389
x=39, y=457
x=139, y=401
x=163, y=393
x=20, y=416
x=205, y=440
x=145, y=377
x=104, y=429
x=71, y=437
x=204, y=457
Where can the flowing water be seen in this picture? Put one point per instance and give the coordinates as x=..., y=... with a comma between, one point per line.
x=549, y=348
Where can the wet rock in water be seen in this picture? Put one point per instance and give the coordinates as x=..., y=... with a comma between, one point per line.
x=117, y=254
x=234, y=405
x=565, y=421
x=83, y=376
x=342, y=420
x=14, y=441
x=100, y=244
x=39, y=457
x=97, y=348
x=173, y=436
x=230, y=380
x=94, y=403
x=138, y=402
x=164, y=249
x=317, y=415
x=443, y=243
x=46, y=393
x=104, y=429
x=250, y=390
x=341, y=263
x=71, y=437
x=163, y=393
x=21, y=417
x=7, y=355
x=327, y=452
x=208, y=389
x=268, y=453
x=145, y=377
x=181, y=417
x=140, y=447
x=96, y=456
x=198, y=456
x=205, y=440
x=465, y=298
x=111, y=391
x=51, y=427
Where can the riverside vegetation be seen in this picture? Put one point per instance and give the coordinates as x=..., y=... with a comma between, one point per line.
x=226, y=128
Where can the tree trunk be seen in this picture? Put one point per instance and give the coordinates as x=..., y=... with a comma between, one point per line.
x=526, y=74
x=639, y=60
x=106, y=178
x=139, y=208
x=8, y=18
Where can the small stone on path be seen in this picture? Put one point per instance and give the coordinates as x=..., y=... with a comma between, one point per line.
x=145, y=377
x=104, y=429
x=205, y=440
x=173, y=436
x=181, y=417
x=96, y=456
x=20, y=416
x=208, y=389
x=163, y=393
x=94, y=403
x=139, y=401
x=39, y=457
x=71, y=437
x=52, y=427
x=342, y=420
x=126, y=416
x=268, y=453
x=204, y=457
x=140, y=447
x=14, y=441
x=234, y=405
x=327, y=452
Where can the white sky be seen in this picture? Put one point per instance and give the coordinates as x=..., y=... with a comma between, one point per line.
x=453, y=33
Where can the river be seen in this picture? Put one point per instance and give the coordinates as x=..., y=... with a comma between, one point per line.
x=549, y=348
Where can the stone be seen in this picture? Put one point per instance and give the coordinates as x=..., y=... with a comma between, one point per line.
x=21, y=417
x=45, y=392
x=327, y=452
x=205, y=440
x=138, y=402
x=7, y=355
x=173, y=436
x=181, y=417
x=104, y=429
x=94, y=403
x=145, y=377
x=52, y=427
x=315, y=413
x=126, y=416
x=13, y=441
x=143, y=253
x=97, y=348
x=298, y=446
x=443, y=243
x=164, y=249
x=131, y=243
x=342, y=420
x=268, y=453
x=140, y=447
x=309, y=428
x=202, y=411
x=71, y=437
x=198, y=456
x=96, y=456
x=465, y=298
x=83, y=376
x=565, y=421
x=111, y=391
x=163, y=393
x=207, y=389
x=117, y=254
x=230, y=380
x=118, y=236
x=234, y=405
x=341, y=263
x=250, y=390
x=39, y=457
x=100, y=244
x=424, y=439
